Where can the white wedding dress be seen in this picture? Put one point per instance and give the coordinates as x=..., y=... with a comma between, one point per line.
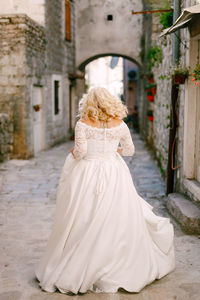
x=104, y=235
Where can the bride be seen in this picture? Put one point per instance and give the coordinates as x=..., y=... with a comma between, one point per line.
x=104, y=235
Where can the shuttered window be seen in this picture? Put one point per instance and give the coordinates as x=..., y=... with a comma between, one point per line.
x=68, y=20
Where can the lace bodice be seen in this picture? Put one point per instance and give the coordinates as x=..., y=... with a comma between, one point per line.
x=96, y=140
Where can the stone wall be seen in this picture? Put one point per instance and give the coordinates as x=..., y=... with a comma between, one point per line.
x=21, y=58
x=156, y=133
x=32, y=55
x=6, y=137
x=145, y=43
x=60, y=60
x=162, y=104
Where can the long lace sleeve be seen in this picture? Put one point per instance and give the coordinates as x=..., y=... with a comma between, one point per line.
x=80, y=148
x=127, y=146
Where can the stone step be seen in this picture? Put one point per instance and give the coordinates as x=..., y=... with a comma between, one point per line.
x=185, y=212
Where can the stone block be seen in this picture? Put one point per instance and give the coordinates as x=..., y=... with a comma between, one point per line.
x=192, y=188
x=185, y=212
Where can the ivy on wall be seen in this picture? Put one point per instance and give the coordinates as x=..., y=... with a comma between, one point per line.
x=154, y=56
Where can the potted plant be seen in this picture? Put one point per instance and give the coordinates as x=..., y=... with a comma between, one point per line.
x=150, y=96
x=196, y=75
x=149, y=77
x=150, y=115
x=151, y=88
x=180, y=74
x=36, y=107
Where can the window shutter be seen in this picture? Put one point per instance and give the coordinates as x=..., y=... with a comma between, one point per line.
x=68, y=20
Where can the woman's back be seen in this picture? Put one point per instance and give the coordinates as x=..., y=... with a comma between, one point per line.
x=97, y=138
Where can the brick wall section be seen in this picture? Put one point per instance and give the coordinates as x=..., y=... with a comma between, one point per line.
x=22, y=42
x=6, y=137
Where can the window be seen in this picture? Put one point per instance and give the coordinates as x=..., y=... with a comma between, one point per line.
x=68, y=20
x=109, y=17
x=56, y=96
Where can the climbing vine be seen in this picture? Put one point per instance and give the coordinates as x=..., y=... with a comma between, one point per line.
x=154, y=56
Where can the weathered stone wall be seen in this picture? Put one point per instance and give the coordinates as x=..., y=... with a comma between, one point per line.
x=162, y=103
x=161, y=106
x=30, y=55
x=96, y=35
x=145, y=43
x=156, y=133
x=35, y=50
x=21, y=57
x=60, y=60
x=6, y=137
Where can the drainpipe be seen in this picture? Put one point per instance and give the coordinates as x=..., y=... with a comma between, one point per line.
x=176, y=36
x=174, y=105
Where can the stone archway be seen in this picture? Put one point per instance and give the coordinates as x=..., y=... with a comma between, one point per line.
x=82, y=64
x=107, y=27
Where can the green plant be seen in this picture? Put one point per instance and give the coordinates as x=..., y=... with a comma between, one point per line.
x=179, y=74
x=166, y=19
x=36, y=107
x=151, y=88
x=154, y=56
x=196, y=75
x=179, y=69
x=164, y=76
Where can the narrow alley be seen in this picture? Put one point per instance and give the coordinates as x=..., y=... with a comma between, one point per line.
x=28, y=193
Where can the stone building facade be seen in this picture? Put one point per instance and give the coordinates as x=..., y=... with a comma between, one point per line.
x=37, y=62
x=181, y=157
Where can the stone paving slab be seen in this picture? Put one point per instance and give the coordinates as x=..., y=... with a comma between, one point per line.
x=27, y=205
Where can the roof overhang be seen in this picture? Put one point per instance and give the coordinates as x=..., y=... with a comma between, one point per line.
x=183, y=20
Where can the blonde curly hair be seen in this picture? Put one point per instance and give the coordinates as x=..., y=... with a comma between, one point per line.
x=100, y=104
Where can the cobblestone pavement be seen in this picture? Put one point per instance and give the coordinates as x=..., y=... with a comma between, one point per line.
x=27, y=192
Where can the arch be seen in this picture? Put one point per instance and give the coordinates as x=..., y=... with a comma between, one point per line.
x=82, y=65
x=99, y=35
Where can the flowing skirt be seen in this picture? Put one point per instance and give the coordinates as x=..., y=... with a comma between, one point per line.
x=104, y=235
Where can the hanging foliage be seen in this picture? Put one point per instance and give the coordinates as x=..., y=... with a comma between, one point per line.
x=154, y=56
x=196, y=75
x=166, y=19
